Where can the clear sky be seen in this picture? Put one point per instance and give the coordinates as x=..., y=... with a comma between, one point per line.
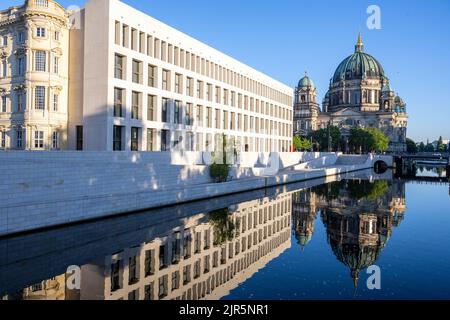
x=284, y=38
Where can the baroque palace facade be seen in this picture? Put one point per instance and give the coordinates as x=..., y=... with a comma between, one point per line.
x=359, y=95
x=110, y=78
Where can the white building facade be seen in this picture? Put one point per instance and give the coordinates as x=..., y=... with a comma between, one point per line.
x=141, y=85
x=111, y=78
x=34, y=56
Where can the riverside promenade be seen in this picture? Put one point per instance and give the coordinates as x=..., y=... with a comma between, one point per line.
x=46, y=189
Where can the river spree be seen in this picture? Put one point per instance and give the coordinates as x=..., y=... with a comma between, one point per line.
x=313, y=240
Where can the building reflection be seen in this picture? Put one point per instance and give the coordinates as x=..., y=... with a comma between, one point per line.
x=359, y=217
x=204, y=257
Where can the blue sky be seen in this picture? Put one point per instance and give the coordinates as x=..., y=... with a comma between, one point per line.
x=283, y=38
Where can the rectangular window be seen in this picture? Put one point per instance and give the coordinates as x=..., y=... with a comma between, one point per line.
x=56, y=35
x=39, y=139
x=200, y=89
x=152, y=72
x=151, y=108
x=165, y=140
x=136, y=105
x=209, y=92
x=19, y=139
x=166, y=80
x=117, y=138
x=56, y=65
x=178, y=113
x=151, y=135
x=189, y=87
x=55, y=140
x=40, y=32
x=21, y=66
x=178, y=83
x=21, y=37
x=55, y=102
x=40, y=61
x=5, y=41
x=189, y=114
x=199, y=116
x=137, y=71
x=39, y=102
x=209, y=117
x=3, y=142
x=134, y=139
x=20, y=102
x=42, y=3
x=4, y=107
x=79, y=137
x=119, y=67
x=118, y=102
x=165, y=114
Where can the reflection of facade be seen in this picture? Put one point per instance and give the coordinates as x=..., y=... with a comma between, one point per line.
x=203, y=258
x=52, y=289
x=358, y=227
x=304, y=213
x=359, y=96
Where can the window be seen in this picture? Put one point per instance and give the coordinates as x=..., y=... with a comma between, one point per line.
x=19, y=140
x=115, y=276
x=151, y=108
x=178, y=113
x=20, y=102
x=189, y=114
x=118, y=102
x=3, y=139
x=39, y=139
x=165, y=110
x=200, y=89
x=55, y=140
x=137, y=71
x=42, y=3
x=4, y=69
x=5, y=41
x=40, y=32
x=119, y=64
x=151, y=134
x=21, y=66
x=4, y=108
x=134, y=139
x=79, y=137
x=117, y=138
x=165, y=140
x=199, y=116
x=135, y=105
x=55, y=102
x=166, y=80
x=21, y=37
x=57, y=35
x=209, y=91
x=189, y=86
x=56, y=65
x=152, y=72
x=39, y=102
x=40, y=61
x=208, y=117
x=178, y=83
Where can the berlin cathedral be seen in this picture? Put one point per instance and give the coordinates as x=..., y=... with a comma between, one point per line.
x=359, y=95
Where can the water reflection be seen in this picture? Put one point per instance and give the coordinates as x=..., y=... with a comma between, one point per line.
x=359, y=217
x=211, y=250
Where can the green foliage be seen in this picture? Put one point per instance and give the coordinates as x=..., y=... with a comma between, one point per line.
x=411, y=146
x=440, y=145
x=302, y=144
x=368, y=140
x=223, y=225
x=422, y=147
x=220, y=169
x=320, y=138
x=366, y=190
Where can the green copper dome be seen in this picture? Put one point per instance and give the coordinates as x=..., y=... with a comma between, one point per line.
x=306, y=82
x=358, y=66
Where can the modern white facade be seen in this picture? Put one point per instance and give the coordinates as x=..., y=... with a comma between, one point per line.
x=109, y=77
x=138, y=84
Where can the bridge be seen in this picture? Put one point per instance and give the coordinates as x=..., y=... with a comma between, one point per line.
x=407, y=161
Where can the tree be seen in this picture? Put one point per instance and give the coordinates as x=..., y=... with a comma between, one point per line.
x=302, y=144
x=440, y=145
x=320, y=138
x=368, y=140
x=411, y=146
x=422, y=147
x=429, y=148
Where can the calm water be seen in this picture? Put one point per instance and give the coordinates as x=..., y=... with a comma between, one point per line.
x=313, y=240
